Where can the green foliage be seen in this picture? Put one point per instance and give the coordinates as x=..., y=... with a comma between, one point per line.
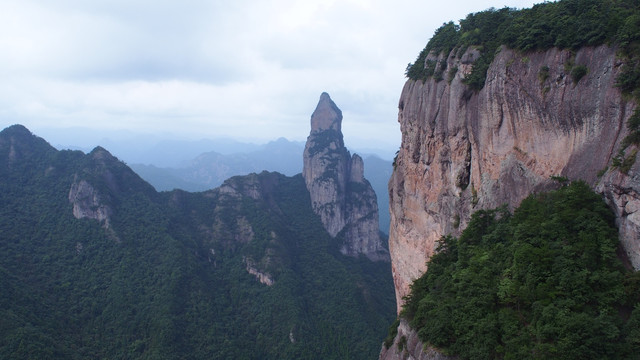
x=633, y=124
x=445, y=38
x=393, y=331
x=560, y=179
x=168, y=279
x=544, y=282
x=578, y=72
x=567, y=24
x=474, y=196
x=543, y=74
x=323, y=139
x=402, y=344
x=452, y=74
x=629, y=79
x=624, y=162
x=602, y=172
x=456, y=221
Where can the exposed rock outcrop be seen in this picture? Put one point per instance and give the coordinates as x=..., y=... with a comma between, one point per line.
x=87, y=204
x=340, y=195
x=263, y=277
x=407, y=346
x=463, y=151
x=101, y=185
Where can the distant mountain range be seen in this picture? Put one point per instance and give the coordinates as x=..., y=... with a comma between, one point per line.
x=199, y=165
x=209, y=169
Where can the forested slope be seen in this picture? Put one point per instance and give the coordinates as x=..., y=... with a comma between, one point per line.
x=244, y=271
x=544, y=282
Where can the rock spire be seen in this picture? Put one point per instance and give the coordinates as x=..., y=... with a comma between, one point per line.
x=340, y=195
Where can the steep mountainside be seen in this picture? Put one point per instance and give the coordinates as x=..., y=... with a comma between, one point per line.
x=484, y=124
x=96, y=264
x=463, y=150
x=340, y=195
x=460, y=154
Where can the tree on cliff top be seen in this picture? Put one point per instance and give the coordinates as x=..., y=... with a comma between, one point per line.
x=567, y=24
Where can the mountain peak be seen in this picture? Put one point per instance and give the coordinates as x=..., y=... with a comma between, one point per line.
x=18, y=133
x=99, y=153
x=327, y=115
x=18, y=143
x=17, y=129
x=339, y=193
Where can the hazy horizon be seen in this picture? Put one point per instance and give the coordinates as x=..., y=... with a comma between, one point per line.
x=87, y=139
x=135, y=147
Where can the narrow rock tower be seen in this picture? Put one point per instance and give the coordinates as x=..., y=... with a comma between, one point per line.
x=340, y=195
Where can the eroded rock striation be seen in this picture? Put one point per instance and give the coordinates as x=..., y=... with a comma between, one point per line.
x=340, y=195
x=463, y=150
x=531, y=125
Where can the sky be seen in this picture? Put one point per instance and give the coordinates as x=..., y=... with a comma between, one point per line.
x=193, y=69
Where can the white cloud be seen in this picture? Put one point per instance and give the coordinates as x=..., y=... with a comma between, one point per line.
x=251, y=69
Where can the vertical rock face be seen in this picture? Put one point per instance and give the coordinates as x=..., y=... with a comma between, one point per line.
x=340, y=194
x=407, y=345
x=463, y=151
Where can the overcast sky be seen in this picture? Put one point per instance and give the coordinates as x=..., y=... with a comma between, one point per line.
x=252, y=70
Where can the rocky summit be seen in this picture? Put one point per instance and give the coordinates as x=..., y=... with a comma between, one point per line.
x=340, y=194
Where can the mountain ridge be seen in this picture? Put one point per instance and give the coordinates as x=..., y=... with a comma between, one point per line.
x=98, y=264
x=210, y=169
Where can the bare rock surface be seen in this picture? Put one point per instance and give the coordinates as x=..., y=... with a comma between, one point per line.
x=87, y=203
x=463, y=151
x=407, y=346
x=340, y=195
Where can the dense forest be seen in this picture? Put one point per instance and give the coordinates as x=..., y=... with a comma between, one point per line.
x=542, y=283
x=168, y=275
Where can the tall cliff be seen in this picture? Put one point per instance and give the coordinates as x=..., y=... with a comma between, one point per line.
x=340, y=195
x=462, y=151
x=465, y=151
x=507, y=103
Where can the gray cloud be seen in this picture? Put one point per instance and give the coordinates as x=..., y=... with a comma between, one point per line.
x=251, y=69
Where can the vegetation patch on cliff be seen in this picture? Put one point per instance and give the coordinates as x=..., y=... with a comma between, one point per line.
x=567, y=24
x=543, y=282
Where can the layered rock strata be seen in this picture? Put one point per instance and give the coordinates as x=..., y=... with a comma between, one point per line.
x=340, y=195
